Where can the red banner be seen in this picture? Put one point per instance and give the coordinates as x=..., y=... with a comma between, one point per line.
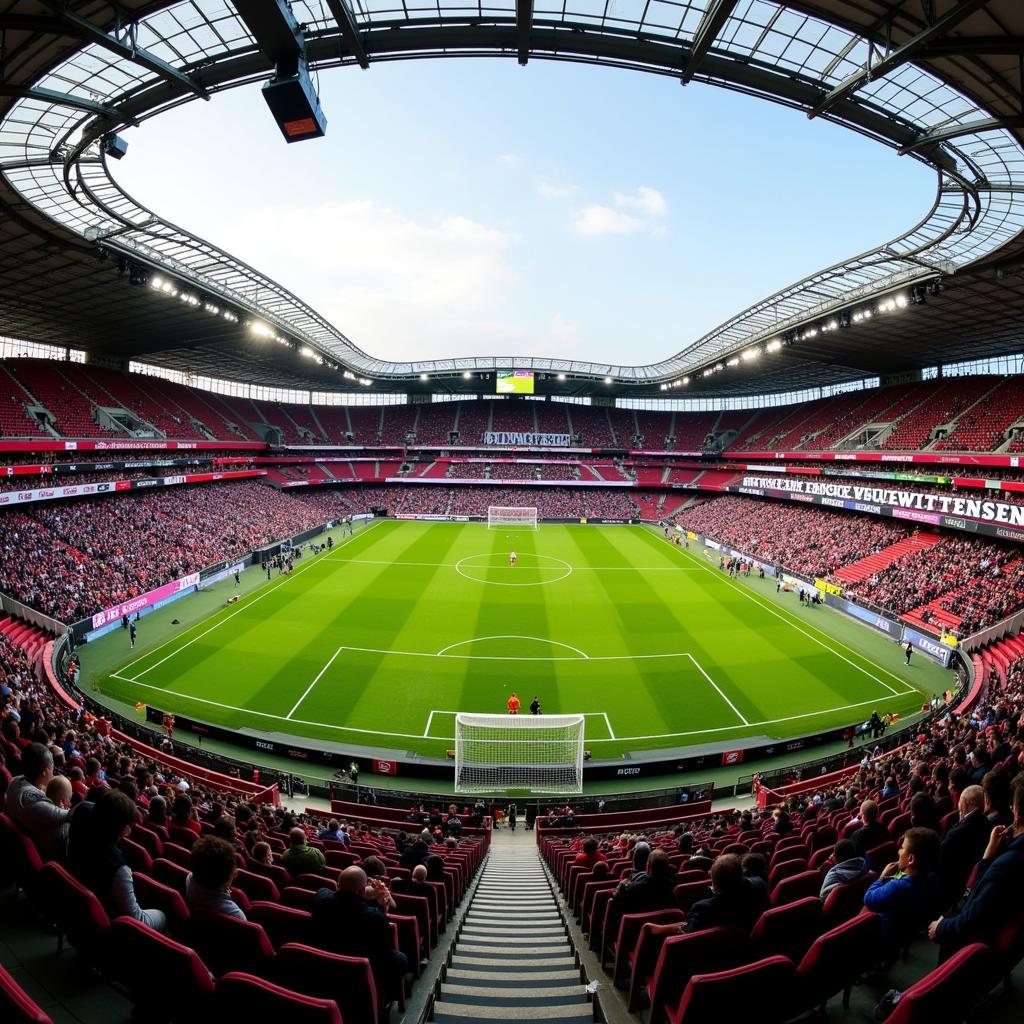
x=731, y=757
x=381, y=767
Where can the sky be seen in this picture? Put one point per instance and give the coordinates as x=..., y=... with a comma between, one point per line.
x=475, y=207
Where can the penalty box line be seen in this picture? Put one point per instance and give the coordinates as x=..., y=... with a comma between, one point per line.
x=585, y=714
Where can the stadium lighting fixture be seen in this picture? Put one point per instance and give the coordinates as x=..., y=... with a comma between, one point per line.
x=686, y=380
x=229, y=316
x=751, y=353
x=466, y=375
x=365, y=382
x=607, y=380
x=211, y=308
x=902, y=301
x=156, y=282
x=561, y=376
x=663, y=386
x=260, y=329
x=735, y=361
x=424, y=376
x=773, y=346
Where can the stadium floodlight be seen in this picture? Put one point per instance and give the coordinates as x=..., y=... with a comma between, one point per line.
x=561, y=376
x=466, y=375
x=751, y=353
x=424, y=376
x=773, y=346
x=536, y=753
x=501, y=517
x=607, y=380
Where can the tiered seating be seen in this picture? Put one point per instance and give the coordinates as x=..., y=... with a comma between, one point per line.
x=518, y=416
x=755, y=432
x=983, y=427
x=14, y=419
x=335, y=421
x=591, y=423
x=713, y=479
x=240, y=411
x=202, y=406
x=863, y=407
x=551, y=418
x=130, y=392
x=692, y=429
x=879, y=560
x=435, y=423
x=278, y=416
x=623, y=426
x=397, y=423
x=71, y=409
x=474, y=420
x=366, y=423
x=940, y=402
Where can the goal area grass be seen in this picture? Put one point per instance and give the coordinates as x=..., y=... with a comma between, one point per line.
x=382, y=640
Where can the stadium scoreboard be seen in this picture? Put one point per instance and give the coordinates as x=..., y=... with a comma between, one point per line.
x=514, y=382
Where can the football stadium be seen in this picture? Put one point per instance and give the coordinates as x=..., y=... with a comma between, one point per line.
x=477, y=546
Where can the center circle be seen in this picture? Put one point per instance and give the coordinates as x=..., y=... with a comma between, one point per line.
x=477, y=568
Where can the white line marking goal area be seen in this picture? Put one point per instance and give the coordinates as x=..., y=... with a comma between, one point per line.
x=450, y=715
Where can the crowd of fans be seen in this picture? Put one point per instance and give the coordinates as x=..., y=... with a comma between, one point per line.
x=930, y=837
x=813, y=542
x=74, y=558
x=976, y=579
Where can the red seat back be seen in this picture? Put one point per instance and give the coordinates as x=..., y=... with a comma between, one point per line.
x=228, y=943
x=948, y=992
x=847, y=900
x=760, y=991
x=246, y=997
x=152, y=894
x=76, y=911
x=15, y=1005
x=683, y=956
x=796, y=887
x=348, y=980
x=837, y=958
x=281, y=923
x=255, y=886
x=788, y=930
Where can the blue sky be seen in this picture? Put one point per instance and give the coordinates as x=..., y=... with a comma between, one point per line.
x=464, y=207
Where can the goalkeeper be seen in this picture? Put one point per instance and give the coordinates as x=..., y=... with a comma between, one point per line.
x=513, y=705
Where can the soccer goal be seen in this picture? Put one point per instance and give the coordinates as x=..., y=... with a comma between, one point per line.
x=538, y=753
x=501, y=518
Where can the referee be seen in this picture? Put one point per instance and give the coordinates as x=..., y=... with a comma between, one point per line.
x=535, y=706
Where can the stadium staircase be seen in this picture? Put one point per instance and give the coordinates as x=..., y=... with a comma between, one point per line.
x=512, y=959
x=865, y=567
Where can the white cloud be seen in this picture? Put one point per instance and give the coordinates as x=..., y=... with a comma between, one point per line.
x=548, y=190
x=603, y=220
x=628, y=214
x=646, y=202
x=398, y=287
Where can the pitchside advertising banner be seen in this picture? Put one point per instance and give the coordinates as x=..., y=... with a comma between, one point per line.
x=974, y=515
x=526, y=439
x=136, y=604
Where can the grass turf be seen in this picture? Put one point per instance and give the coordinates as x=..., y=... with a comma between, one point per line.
x=379, y=642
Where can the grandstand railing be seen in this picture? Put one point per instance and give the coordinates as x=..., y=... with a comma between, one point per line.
x=1010, y=626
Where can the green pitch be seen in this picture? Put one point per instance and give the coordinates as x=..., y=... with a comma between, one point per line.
x=382, y=640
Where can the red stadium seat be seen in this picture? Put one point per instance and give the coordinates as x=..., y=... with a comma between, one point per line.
x=838, y=958
x=247, y=997
x=229, y=944
x=345, y=979
x=760, y=991
x=281, y=923
x=76, y=912
x=788, y=930
x=948, y=992
x=15, y=1005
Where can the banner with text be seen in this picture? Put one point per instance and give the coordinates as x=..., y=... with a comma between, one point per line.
x=527, y=439
x=144, y=600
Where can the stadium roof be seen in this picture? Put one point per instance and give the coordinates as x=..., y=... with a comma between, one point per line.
x=947, y=90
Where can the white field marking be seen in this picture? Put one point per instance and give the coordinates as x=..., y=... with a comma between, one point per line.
x=717, y=573
x=513, y=657
x=575, y=568
x=585, y=714
x=451, y=739
x=330, y=661
x=315, y=560
x=514, y=636
x=264, y=714
x=523, y=583
x=717, y=689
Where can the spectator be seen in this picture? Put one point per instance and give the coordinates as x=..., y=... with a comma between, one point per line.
x=343, y=921
x=96, y=860
x=871, y=833
x=300, y=857
x=208, y=885
x=734, y=903
x=997, y=896
x=904, y=894
x=962, y=846
x=332, y=832
x=28, y=805
x=183, y=814
x=590, y=854
x=848, y=867
x=262, y=854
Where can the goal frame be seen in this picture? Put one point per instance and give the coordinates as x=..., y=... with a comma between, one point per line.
x=538, y=754
x=515, y=521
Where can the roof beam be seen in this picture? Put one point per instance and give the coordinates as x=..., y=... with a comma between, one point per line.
x=524, y=24
x=895, y=58
x=956, y=131
x=137, y=55
x=64, y=99
x=346, y=20
x=958, y=46
x=707, y=32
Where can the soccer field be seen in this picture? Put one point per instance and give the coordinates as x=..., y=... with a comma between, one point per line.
x=382, y=640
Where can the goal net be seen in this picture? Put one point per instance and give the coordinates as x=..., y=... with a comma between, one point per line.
x=502, y=518
x=539, y=753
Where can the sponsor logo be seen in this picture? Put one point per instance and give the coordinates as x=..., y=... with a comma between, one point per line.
x=628, y=771
x=264, y=745
x=874, y=509
x=1008, y=534
x=299, y=755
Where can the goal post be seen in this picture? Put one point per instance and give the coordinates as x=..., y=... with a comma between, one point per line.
x=501, y=517
x=538, y=753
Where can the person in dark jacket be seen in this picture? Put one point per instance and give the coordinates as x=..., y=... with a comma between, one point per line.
x=904, y=894
x=871, y=833
x=997, y=896
x=734, y=903
x=345, y=921
x=962, y=847
x=848, y=867
x=96, y=860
